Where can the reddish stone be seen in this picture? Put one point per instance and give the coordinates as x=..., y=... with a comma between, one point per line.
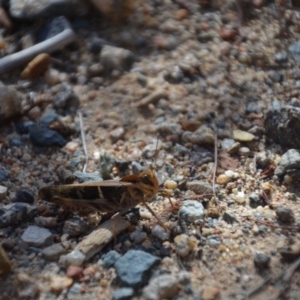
x=228, y=34
x=74, y=271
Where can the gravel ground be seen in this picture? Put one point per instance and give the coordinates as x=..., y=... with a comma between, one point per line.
x=205, y=93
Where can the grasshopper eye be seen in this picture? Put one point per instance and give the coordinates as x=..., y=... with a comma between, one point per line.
x=146, y=180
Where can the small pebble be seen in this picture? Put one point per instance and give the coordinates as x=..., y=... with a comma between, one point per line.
x=74, y=272
x=242, y=136
x=60, y=283
x=24, y=196
x=199, y=187
x=229, y=217
x=71, y=146
x=183, y=245
x=117, y=134
x=75, y=257
x=244, y=151
x=125, y=293
x=26, y=157
x=170, y=184
x=110, y=258
x=53, y=252
x=134, y=266
x=37, y=236
x=210, y=293
x=3, y=192
x=262, y=261
x=223, y=179
x=239, y=198
x=191, y=211
x=234, y=148
x=16, y=142
x=161, y=287
x=285, y=214
x=160, y=233
x=36, y=67
x=138, y=236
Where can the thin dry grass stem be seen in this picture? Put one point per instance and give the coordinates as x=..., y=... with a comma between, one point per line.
x=291, y=269
x=215, y=169
x=164, y=193
x=258, y=287
x=83, y=140
x=155, y=215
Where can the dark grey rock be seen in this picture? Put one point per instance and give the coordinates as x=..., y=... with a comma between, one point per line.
x=54, y=27
x=255, y=200
x=191, y=211
x=44, y=137
x=264, y=159
x=276, y=76
x=95, y=44
x=37, y=236
x=122, y=164
x=16, y=142
x=281, y=57
x=285, y=214
x=289, y=160
x=53, y=252
x=87, y=177
x=213, y=241
x=252, y=107
x=23, y=127
x=160, y=233
x=31, y=9
x=201, y=156
x=74, y=226
x=49, y=117
x=262, y=261
x=76, y=161
x=3, y=175
x=283, y=126
x=202, y=136
x=181, y=149
x=133, y=268
x=15, y=213
x=229, y=217
x=137, y=168
x=24, y=196
x=66, y=102
x=110, y=258
x=123, y=294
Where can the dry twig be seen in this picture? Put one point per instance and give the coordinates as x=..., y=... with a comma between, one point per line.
x=83, y=141
x=21, y=58
x=99, y=238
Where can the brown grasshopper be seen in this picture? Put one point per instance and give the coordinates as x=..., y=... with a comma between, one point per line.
x=110, y=196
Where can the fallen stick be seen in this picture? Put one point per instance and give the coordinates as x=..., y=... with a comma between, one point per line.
x=100, y=237
x=50, y=45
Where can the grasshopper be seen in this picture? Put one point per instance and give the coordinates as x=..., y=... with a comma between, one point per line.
x=110, y=196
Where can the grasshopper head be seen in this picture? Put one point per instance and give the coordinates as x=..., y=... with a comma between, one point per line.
x=148, y=184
